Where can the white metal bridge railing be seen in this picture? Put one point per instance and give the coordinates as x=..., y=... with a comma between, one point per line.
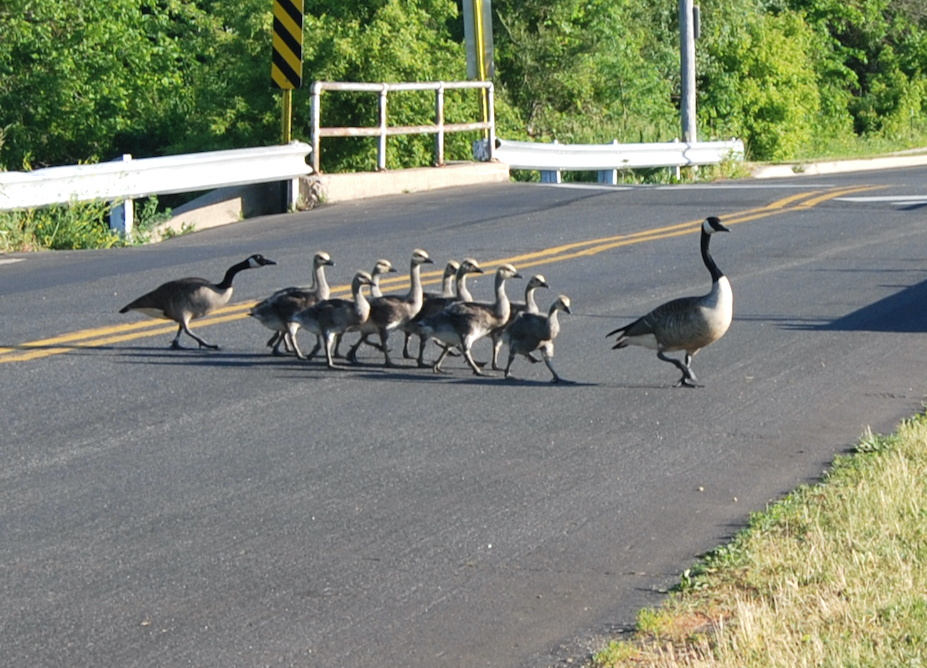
x=382, y=130
x=551, y=159
x=122, y=180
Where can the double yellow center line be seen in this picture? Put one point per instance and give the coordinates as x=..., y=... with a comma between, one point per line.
x=105, y=336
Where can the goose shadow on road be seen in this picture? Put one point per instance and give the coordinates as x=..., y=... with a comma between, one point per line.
x=904, y=312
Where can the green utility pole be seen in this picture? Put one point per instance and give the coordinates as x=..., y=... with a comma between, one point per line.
x=478, y=39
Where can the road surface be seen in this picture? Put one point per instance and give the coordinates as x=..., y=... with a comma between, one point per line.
x=230, y=508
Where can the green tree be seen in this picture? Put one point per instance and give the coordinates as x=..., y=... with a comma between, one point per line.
x=82, y=81
x=389, y=41
x=587, y=70
x=757, y=82
x=875, y=61
x=75, y=77
x=232, y=103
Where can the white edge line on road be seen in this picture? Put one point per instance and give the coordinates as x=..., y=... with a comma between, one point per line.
x=898, y=199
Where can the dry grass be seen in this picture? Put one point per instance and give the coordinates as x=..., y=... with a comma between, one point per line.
x=834, y=575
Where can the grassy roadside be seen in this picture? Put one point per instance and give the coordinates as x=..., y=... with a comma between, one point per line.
x=833, y=575
x=75, y=226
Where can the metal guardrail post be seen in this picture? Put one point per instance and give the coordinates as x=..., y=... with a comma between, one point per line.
x=381, y=150
x=122, y=216
x=492, y=120
x=439, y=121
x=551, y=175
x=316, y=100
x=609, y=176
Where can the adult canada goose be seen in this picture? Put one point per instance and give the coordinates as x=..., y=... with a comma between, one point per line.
x=277, y=311
x=432, y=302
x=430, y=307
x=688, y=323
x=463, y=323
x=331, y=317
x=529, y=306
x=533, y=331
x=392, y=311
x=187, y=299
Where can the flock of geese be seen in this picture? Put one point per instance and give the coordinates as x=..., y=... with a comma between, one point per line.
x=451, y=318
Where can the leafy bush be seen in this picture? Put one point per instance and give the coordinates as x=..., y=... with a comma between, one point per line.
x=758, y=84
x=89, y=81
x=75, y=226
x=70, y=227
x=584, y=71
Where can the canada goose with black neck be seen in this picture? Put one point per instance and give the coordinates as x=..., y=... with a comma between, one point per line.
x=688, y=323
x=186, y=299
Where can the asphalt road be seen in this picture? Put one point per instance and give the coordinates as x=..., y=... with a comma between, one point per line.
x=162, y=508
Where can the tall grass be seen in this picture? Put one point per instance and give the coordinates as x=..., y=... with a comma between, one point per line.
x=834, y=575
x=864, y=146
x=70, y=227
x=75, y=226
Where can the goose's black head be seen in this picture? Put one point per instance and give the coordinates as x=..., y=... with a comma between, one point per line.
x=258, y=260
x=713, y=224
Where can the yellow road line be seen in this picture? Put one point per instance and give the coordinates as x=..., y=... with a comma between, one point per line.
x=102, y=336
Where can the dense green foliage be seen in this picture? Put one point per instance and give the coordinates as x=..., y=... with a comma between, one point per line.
x=88, y=81
x=72, y=227
x=75, y=226
x=585, y=71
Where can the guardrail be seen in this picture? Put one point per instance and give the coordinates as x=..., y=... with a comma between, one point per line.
x=382, y=130
x=607, y=159
x=121, y=181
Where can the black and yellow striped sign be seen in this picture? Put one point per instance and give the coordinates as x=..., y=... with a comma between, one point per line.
x=287, y=67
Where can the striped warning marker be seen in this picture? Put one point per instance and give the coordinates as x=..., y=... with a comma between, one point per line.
x=287, y=66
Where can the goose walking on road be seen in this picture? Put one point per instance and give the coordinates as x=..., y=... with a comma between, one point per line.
x=187, y=299
x=533, y=331
x=390, y=312
x=434, y=306
x=688, y=323
x=381, y=267
x=529, y=306
x=432, y=302
x=277, y=311
x=464, y=323
x=460, y=280
x=332, y=317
